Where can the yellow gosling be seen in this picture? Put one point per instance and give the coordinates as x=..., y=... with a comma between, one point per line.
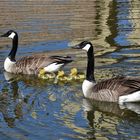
x=75, y=75
x=81, y=76
x=42, y=74
x=73, y=72
x=61, y=76
x=50, y=75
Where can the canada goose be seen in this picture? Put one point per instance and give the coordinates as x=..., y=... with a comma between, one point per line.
x=119, y=89
x=31, y=64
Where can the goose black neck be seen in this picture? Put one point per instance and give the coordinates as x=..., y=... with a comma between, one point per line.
x=90, y=65
x=13, y=51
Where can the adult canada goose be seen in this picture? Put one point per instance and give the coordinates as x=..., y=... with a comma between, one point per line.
x=31, y=64
x=119, y=89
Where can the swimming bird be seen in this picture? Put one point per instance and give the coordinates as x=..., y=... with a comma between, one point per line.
x=118, y=89
x=31, y=64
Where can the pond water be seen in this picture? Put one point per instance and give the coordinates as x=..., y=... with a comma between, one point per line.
x=31, y=108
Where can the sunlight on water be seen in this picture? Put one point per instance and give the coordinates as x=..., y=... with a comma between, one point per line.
x=32, y=108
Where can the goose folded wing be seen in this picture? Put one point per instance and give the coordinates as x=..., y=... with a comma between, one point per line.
x=32, y=64
x=62, y=59
x=111, y=89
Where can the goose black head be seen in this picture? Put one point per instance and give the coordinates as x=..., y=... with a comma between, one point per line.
x=85, y=45
x=11, y=34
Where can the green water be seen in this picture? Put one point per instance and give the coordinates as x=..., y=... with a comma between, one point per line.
x=31, y=108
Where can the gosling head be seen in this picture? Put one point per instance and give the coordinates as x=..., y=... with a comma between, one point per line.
x=60, y=74
x=10, y=34
x=85, y=45
x=74, y=72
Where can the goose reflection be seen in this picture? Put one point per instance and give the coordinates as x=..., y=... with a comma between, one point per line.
x=106, y=116
x=27, y=79
x=16, y=104
x=11, y=101
x=113, y=108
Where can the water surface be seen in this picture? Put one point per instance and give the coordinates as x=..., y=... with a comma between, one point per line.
x=31, y=108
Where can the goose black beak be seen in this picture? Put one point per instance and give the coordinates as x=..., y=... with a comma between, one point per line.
x=76, y=47
x=4, y=35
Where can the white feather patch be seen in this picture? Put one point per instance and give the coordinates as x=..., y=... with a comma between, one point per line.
x=87, y=87
x=134, y=97
x=86, y=48
x=12, y=35
x=9, y=65
x=54, y=67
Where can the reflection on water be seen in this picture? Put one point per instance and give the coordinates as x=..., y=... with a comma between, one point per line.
x=104, y=116
x=31, y=108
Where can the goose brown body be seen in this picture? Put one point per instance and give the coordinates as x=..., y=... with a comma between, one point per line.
x=111, y=89
x=33, y=64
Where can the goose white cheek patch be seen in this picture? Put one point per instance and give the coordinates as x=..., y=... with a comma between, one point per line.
x=12, y=35
x=86, y=47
